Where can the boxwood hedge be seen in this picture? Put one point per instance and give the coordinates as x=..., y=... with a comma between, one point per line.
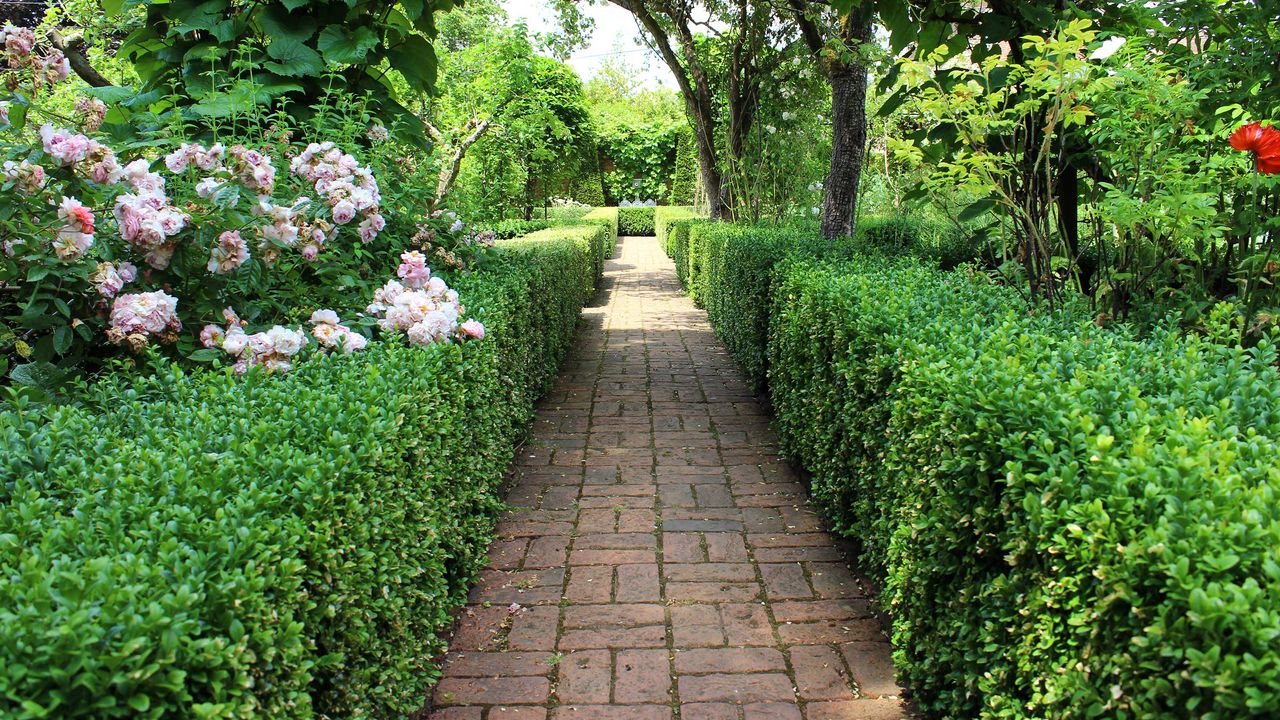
x=636, y=220
x=1070, y=521
x=201, y=545
x=663, y=216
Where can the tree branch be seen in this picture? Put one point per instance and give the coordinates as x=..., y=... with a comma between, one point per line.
x=74, y=47
x=450, y=172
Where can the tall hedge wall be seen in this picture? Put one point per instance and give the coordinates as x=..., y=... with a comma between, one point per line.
x=202, y=545
x=1069, y=521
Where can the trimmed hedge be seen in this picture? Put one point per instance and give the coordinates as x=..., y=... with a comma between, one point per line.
x=607, y=216
x=663, y=216
x=200, y=545
x=731, y=269
x=1072, y=522
x=678, y=246
x=1068, y=521
x=636, y=220
x=592, y=237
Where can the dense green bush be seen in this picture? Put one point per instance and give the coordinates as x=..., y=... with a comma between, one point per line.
x=635, y=220
x=507, y=229
x=568, y=212
x=1071, y=522
x=678, y=246
x=638, y=157
x=608, y=217
x=663, y=216
x=684, y=181
x=942, y=242
x=202, y=545
x=589, y=189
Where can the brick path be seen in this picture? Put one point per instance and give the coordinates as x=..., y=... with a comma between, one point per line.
x=659, y=561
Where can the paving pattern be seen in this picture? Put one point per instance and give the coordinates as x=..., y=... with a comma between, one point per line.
x=659, y=561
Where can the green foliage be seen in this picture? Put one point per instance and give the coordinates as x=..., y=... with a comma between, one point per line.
x=636, y=220
x=1061, y=512
x=201, y=545
x=684, y=180
x=589, y=189
x=663, y=216
x=638, y=157
x=221, y=58
x=607, y=216
x=678, y=246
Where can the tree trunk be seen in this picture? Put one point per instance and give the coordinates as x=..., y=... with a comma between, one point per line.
x=848, y=149
x=709, y=169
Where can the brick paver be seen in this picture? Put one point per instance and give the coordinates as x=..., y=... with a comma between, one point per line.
x=659, y=560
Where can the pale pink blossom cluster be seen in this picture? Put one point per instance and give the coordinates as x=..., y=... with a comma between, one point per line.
x=149, y=223
x=17, y=47
x=75, y=237
x=187, y=154
x=378, y=133
x=290, y=227
x=110, y=278
x=422, y=307
x=65, y=146
x=4, y=112
x=273, y=350
x=90, y=112
x=89, y=157
x=26, y=176
x=349, y=188
x=333, y=335
x=247, y=167
x=138, y=317
x=18, y=44
x=230, y=252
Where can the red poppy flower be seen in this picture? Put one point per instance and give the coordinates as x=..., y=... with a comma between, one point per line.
x=1261, y=140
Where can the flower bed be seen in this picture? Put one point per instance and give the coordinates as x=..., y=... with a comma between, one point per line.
x=199, y=544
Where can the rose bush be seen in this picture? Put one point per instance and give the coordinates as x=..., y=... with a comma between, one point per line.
x=110, y=250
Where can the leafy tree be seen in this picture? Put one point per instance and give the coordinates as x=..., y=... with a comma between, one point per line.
x=689, y=36
x=216, y=58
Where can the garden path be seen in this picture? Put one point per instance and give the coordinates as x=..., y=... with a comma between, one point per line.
x=659, y=560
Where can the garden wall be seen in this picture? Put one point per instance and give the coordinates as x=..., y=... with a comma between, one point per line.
x=198, y=544
x=1069, y=521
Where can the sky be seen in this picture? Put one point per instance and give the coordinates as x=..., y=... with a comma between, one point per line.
x=615, y=35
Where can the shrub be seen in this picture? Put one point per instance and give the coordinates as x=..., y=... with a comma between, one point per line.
x=678, y=246
x=663, y=216
x=935, y=240
x=201, y=545
x=636, y=220
x=592, y=238
x=607, y=216
x=685, y=180
x=589, y=190
x=1070, y=521
x=568, y=212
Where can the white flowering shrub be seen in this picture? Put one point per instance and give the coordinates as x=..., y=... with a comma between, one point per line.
x=107, y=250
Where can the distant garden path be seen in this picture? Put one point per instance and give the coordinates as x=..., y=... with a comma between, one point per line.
x=660, y=553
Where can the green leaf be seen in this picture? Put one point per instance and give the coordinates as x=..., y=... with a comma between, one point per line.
x=207, y=355
x=293, y=58
x=343, y=48
x=141, y=703
x=62, y=339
